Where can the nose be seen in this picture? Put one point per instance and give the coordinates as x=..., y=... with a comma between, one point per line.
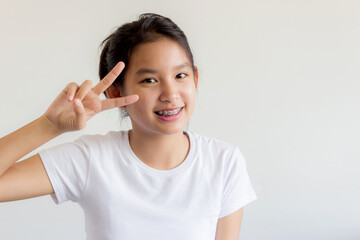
x=169, y=92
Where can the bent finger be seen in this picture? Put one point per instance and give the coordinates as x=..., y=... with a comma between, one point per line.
x=70, y=90
x=109, y=78
x=84, y=88
x=80, y=114
x=118, y=102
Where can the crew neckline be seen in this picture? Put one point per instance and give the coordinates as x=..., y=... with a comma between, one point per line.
x=189, y=158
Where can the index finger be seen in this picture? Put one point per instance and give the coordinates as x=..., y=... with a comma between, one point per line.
x=118, y=102
x=109, y=78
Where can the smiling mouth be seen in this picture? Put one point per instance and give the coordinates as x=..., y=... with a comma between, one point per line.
x=169, y=113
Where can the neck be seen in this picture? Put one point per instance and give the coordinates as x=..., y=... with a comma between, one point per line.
x=160, y=151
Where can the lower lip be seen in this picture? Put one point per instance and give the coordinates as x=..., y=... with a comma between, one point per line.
x=172, y=117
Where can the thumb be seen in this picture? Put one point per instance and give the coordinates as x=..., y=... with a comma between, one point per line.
x=80, y=114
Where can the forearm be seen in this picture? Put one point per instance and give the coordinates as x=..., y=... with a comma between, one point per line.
x=24, y=140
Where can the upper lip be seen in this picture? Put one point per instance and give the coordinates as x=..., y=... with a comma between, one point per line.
x=168, y=109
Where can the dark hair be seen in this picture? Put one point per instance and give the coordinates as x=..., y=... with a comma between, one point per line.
x=148, y=28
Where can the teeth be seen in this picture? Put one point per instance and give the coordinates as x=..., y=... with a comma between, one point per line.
x=168, y=113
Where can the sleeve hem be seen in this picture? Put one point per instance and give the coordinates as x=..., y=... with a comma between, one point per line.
x=245, y=200
x=57, y=195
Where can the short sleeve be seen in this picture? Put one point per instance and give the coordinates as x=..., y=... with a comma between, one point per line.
x=67, y=166
x=237, y=189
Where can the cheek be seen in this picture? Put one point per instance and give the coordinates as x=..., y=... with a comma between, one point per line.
x=189, y=93
x=143, y=105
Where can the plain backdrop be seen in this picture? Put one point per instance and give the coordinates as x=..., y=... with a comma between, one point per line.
x=280, y=78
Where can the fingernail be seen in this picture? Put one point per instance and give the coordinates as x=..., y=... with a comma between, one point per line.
x=77, y=102
x=134, y=97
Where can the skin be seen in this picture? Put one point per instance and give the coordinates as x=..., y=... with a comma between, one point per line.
x=162, y=145
x=70, y=111
x=159, y=144
x=169, y=83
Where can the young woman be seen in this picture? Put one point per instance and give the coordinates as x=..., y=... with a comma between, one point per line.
x=155, y=181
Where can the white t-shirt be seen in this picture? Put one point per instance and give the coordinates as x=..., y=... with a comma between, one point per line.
x=123, y=198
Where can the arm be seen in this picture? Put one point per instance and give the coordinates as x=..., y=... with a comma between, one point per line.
x=24, y=140
x=27, y=178
x=228, y=227
x=69, y=112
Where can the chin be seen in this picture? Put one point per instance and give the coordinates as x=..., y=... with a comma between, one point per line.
x=170, y=130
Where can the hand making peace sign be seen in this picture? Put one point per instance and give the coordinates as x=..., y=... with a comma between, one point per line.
x=76, y=104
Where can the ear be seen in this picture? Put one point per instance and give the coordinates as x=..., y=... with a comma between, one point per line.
x=113, y=92
x=196, y=77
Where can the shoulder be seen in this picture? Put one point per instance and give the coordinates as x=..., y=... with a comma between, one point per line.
x=213, y=146
x=100, y=138
x=107, y=140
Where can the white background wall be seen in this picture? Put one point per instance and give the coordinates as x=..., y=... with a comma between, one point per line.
x=279, y=78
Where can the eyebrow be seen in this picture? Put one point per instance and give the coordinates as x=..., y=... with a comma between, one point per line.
x=148, y=70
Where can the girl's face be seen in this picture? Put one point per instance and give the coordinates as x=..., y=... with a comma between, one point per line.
x=161, y=74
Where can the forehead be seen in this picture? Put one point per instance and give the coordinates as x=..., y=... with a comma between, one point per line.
x=159, y=54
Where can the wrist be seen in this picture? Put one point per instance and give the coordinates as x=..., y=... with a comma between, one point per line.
x=47, y=127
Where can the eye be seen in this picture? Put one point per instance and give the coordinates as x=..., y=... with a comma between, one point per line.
x=149, y=80
x=181, y=75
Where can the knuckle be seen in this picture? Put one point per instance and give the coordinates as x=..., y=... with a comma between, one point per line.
x=88, y=82
x=113, y=74
x=68, y=85
x=73, y=86
x=85, y=88
x=125, y=101
x=119, y=102
x=105, y=82
x=116, y=102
